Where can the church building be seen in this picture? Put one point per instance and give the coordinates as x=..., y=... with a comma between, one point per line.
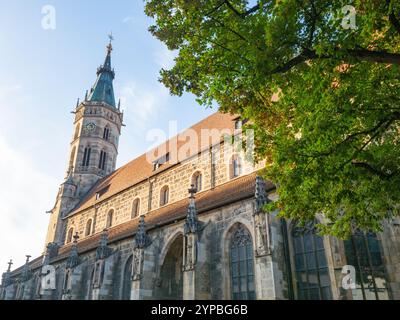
x=185, y=221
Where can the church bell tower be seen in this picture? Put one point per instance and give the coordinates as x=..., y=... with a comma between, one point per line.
x=94, y=146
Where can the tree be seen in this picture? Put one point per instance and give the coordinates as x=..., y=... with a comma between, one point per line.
x=321, y=93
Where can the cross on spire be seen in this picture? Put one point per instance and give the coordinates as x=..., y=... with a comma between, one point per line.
x=111, y=37
x=109, y=47
x=9, y=265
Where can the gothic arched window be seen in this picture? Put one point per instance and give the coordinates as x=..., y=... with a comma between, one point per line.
x=127, y=280
x=241, y=265
x=70, y=235
x=106, y=133
x=88, y=229
x=86, y=157
x=235, y=167
x=364, y=253
x=164, y=196
x=135, y=208
x=110, y=216
x=197, y=181
x=311, y=268
x=102, y=160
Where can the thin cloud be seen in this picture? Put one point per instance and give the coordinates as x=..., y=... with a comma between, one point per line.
x=140, y=103
x=26, y=193
x=164, y=57
x=127, y=19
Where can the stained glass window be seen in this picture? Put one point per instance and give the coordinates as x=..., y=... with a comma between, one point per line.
x=364, y=253
x=242, y=269
x=311, y=268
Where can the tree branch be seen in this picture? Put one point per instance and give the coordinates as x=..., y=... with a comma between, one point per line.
x=361, y=54
x=215, y=9
x=373, y=56
x=242, y=14
x=375, y=135
x=370, y=168
x=289, y=65
x=229, y=29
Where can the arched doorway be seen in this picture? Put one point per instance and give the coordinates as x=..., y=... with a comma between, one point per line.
x=171, y=277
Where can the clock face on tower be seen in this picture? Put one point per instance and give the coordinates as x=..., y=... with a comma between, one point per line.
x=90, y=127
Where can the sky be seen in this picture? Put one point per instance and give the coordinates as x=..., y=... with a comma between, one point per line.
x=45, y=65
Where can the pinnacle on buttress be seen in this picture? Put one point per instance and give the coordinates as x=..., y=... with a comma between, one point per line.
x=192, y=223
x=142, y=239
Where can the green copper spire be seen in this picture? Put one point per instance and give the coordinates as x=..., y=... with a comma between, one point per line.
x=103, y=90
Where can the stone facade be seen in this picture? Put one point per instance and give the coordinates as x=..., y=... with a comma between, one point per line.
x=218, y=244
x=160, y=269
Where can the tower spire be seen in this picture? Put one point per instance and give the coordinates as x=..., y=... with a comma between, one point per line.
x=103, y=90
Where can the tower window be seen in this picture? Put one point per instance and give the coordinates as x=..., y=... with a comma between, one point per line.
x=86, y=157
x=164, y=196
x=110, y=216
x=102, y=161
x=106, y=133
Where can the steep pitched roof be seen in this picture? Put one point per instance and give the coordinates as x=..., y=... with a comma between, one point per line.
x=141, y=169
x=103, y=90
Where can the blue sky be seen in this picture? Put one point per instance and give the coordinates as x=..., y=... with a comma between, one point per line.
x=43, y=72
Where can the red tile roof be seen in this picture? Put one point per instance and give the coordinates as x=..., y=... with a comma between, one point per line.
x=140, y=169
x=230, y=192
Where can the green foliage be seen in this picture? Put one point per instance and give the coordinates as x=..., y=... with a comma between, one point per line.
x=331, y=140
